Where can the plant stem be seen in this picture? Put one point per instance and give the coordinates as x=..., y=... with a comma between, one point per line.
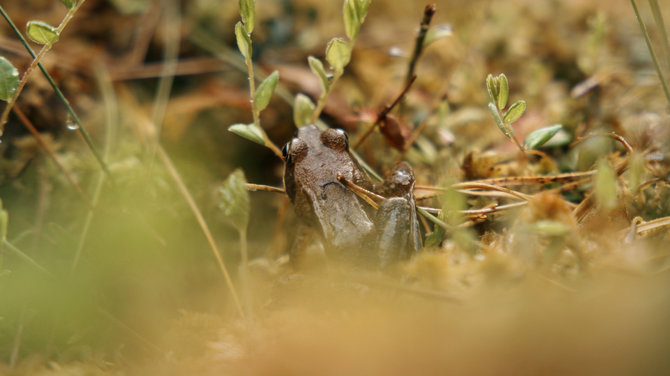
x=60, y=95
x=511, y=133
x=651, y=51
x=254, y=110
x=428, y=13
x=323, y=97
x=33, y=64
x=244, y=268
x=172, y=170
x=22, y=83
x=660, y=25
x=22, y=255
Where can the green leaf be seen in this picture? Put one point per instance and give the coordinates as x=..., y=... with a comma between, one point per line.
x=505, y=130
x=243, y=40
x=317, y=68
x=338, y=54
x=605, y=186
x=9, y=79
x=436, y=33
x=503, y=91
x=352, y=22
x=251, y=132
x=41, y=32
x=362, y=9
x=515, y=111
x=539, y=137
x=235, y=199
x=303, y=108
x=248, y=14
x=265, y=90
x=69, y=4
x=550, y=228
x=493, y=87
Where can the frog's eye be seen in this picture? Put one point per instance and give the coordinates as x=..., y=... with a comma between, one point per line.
x=345, y=136
x=293, y=150
x=335, y=139
x=285, y=151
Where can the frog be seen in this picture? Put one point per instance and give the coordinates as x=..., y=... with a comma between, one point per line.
x=316, y=163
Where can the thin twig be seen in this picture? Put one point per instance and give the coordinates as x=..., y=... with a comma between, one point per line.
x=428, y=13
x=33, y=64
x=60, y=96
x=267, y=188
x=494, y=209
x=524, y=180
x=361, y=192
x=613, y=135
x=479, y=186
x=24, y=256
x=384, y=112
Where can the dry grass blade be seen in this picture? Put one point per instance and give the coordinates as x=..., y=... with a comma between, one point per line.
x=172, y=170
x=361, y=192
x=266, y=188
x=478, y=188
x=613, y=135
x=494, y=209
x=536, y=179
x=657, y=224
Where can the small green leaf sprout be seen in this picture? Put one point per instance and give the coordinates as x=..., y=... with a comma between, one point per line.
x=539, y=137
x=265, y=91
x=251, y=132
x=69, y=4
x=303, y=108
x=41, y=32
x=338, y=55
x=259, y=98
x=498, y=89
x=248, y=14
x=243, y=40
x=316, y=66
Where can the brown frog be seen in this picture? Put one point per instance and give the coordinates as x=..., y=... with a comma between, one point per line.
x=350, y=228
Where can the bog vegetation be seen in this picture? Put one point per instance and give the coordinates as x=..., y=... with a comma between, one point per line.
x=144, y=226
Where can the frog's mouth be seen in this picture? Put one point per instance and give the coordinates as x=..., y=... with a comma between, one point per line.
x=341, y=217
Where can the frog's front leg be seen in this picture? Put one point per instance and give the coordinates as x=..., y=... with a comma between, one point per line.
x=395, y=238
x=398, y=235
